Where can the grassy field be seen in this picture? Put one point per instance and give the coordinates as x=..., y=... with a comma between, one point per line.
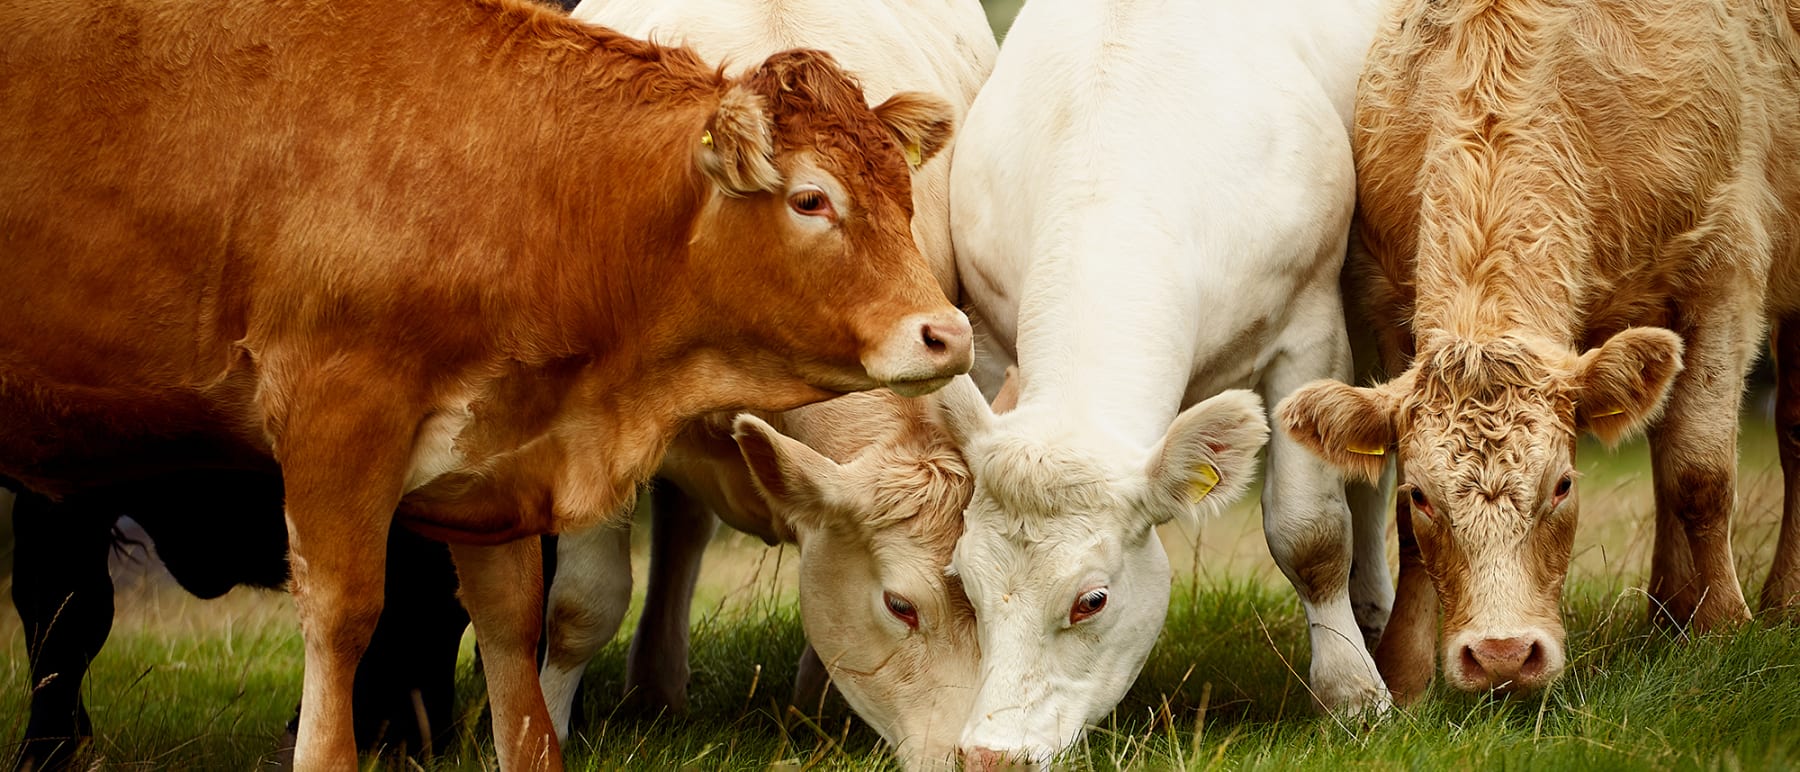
x=186, y=684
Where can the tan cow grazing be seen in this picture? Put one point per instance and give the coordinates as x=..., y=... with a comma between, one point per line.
x=1577, y=218
x=871, y=490
x=465, y=258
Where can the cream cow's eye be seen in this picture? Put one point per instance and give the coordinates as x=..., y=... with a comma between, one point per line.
x=902, y=609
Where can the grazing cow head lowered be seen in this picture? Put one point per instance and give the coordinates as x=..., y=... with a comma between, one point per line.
x=812, y=190
x=1060, y=557
x=876, y=534
x=1486, y=432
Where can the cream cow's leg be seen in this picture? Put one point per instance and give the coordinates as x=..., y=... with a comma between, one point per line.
x=588, y=600
x=1781, y=593
x=656, y=671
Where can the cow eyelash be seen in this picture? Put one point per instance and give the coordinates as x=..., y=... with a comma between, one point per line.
x=812, y=202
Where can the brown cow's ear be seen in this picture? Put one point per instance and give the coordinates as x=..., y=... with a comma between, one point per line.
x=737, y=148
x=1350, y=428
x=1208, y=456
x=920, y=122
x=1621, y=386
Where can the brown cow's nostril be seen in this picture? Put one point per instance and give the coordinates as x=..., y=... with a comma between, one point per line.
x=933, y=340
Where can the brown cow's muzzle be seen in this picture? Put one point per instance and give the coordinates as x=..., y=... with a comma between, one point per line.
x=922, y=353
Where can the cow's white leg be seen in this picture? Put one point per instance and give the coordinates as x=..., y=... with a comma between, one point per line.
x=588, y=599
x=502, y=587
x=656, y=671
x=1309, y=527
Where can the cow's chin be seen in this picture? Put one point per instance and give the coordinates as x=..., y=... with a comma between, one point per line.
x=918, y=387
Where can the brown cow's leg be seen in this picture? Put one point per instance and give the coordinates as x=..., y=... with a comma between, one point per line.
x=1781, y=593
x=1694, y=452
x=502, y=587
x=1407, y=654
x=656, y=671
x=344, y=452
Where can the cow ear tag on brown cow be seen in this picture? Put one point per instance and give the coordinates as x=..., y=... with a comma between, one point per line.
x=914, y=156
x=1367, y=451
x=1204, y=479
x=1614, y=411
x=706, y=138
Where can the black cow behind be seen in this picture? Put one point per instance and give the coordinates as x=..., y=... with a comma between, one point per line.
x=214, y=531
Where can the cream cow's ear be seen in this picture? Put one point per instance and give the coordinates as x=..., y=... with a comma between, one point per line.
x=1350, y=427
x=1621, y=385
x=800, y=484
x=1208, y=456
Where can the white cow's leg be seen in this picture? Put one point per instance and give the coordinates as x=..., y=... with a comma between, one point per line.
x=588, y=600
x=656, y=671
x=1310, y=531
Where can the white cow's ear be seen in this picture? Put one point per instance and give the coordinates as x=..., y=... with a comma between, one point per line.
x=736, y=150
x=794, y=479
x=921, y=123
x=964, y=413
x=1208, y=456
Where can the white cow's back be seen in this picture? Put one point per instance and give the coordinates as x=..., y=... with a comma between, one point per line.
x=1168, y=158
x=942, y=47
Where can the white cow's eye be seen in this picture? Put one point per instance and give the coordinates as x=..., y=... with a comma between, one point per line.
x=902, y=609
x=1089, y=604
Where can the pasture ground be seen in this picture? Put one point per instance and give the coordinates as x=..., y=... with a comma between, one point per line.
x=186, y=684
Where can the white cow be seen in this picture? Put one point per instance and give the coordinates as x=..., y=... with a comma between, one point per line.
x=871, y=565
x=1150, y=205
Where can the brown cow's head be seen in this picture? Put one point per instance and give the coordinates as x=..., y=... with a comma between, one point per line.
x=806, y=240
x=1486, y=434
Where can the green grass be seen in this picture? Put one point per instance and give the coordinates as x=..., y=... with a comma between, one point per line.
x=187, y=684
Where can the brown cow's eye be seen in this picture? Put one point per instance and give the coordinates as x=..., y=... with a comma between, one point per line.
x=902, y=609
x=812, y=203
x=1089, y=604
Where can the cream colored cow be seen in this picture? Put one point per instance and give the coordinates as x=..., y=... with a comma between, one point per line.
x=1578, y=217
x=875, y=510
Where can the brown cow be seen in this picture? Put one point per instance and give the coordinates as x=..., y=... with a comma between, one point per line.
x=467, y=258
x=1577, y=217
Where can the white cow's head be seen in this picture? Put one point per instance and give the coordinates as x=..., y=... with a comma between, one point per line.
x=1060, y=558
x=891, y=625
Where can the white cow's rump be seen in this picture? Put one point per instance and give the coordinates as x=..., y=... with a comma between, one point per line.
x=1150, y=205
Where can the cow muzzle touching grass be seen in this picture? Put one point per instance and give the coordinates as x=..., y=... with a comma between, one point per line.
x=1485, y=431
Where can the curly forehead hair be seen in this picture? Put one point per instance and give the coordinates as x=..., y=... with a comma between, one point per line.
x=1486, y=408
x=816, y=105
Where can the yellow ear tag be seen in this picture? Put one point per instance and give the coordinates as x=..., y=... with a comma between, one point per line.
x=1615, y=411
x=914, y=156
x=706, y=139
x=1204, y=479
x=1368, y=451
